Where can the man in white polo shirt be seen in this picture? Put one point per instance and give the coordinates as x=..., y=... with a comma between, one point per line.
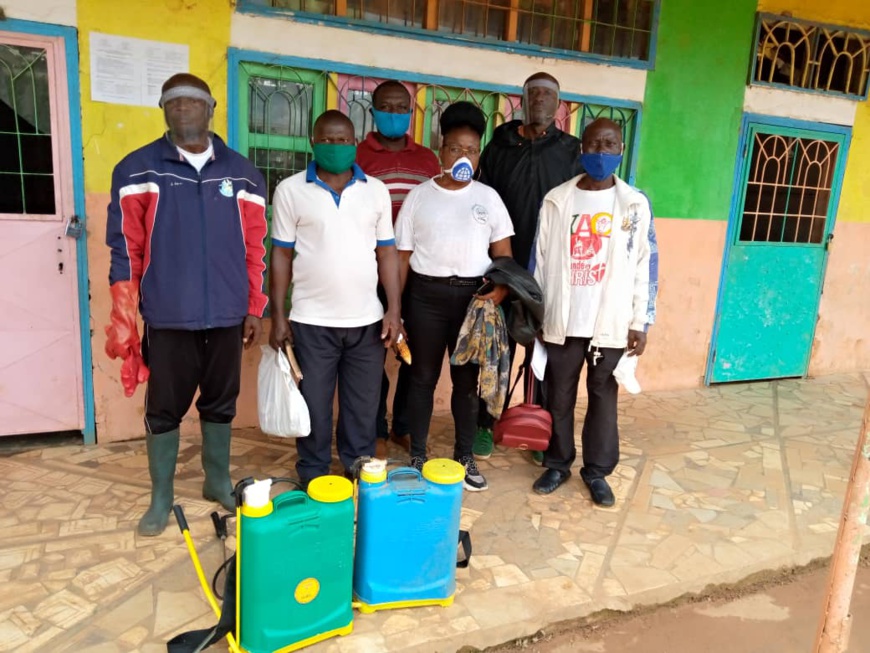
x=338, y=221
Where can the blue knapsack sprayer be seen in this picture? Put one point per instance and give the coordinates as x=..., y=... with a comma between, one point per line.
x=296, y=577
x=418, y=514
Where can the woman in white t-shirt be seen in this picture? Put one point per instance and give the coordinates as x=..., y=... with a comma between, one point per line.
x=447, y=231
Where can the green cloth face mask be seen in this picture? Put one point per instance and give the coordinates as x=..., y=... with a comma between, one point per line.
x=335, y=157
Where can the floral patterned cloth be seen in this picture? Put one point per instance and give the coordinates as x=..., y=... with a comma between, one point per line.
x=483, y=341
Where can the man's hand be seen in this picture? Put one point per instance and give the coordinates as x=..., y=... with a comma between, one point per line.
x=392, y=327
x=251, y=331
x=636, y=342
x=280, y=333
x=497, y=294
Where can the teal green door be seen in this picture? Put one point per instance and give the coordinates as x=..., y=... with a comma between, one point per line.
x=779, y=234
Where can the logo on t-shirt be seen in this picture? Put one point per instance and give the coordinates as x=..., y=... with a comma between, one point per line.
x=587, y=238
x=226, y=188
x=479, y=213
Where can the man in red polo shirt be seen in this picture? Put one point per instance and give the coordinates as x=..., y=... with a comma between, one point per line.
x=392, y=156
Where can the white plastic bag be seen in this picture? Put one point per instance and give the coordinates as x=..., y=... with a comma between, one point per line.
x=539, y=360
x=281, y=407
x=625, y=372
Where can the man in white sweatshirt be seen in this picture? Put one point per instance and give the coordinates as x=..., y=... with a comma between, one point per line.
x=596, y=260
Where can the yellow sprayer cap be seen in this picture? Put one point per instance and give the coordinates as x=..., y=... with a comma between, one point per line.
x=330, y=489
x=443, y=471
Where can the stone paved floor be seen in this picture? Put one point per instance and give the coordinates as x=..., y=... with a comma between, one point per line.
x=714, y=484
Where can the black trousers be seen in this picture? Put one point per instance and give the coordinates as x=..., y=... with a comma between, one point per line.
x=433, y=318
x=600, y=433
x=400, y=404
x=354, y=359
x=182, y=361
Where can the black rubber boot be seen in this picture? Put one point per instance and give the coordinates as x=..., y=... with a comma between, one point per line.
x=162, y=456
x=216, y=464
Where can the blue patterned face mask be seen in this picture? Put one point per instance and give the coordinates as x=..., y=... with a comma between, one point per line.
x=392, y=125
x=600, y=165
x=462, y=170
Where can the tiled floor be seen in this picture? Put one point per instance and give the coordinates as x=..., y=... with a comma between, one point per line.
x=714, y=484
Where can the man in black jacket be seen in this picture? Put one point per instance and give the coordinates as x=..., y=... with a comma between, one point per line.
x=524, y=161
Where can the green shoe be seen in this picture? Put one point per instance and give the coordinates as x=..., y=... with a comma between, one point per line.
x=482, y=447
x=216, y=464
x=538, y=457
x=162, y=455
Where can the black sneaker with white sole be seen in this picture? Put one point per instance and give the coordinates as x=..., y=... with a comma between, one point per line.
x=474, y=480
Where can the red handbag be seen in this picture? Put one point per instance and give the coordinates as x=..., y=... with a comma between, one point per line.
x=527, y=426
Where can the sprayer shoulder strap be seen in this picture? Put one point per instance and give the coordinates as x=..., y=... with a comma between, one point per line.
x=465, y=543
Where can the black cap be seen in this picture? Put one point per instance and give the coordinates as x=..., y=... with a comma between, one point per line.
x=463, y=114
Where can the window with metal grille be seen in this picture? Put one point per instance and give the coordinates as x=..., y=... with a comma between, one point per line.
x=618, y=29
x=788, y=190
x=279, y=104
x=405, y=13
x=811, y=56
x=26, y=160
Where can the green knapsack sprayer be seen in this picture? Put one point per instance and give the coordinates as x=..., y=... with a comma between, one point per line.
x=290, y=581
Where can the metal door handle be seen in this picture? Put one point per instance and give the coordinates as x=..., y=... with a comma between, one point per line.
x=828, y=240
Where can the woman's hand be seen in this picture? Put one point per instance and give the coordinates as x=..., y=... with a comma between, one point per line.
x=497, y=294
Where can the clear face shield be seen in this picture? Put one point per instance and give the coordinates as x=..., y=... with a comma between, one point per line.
x=537, y=110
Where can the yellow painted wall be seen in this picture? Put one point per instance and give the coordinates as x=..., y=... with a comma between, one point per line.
x=110, y=131
x=855, y=198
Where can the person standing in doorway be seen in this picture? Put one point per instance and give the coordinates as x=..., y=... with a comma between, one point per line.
x=449, y=230
x=186, y=227
x=338, y=222
x=391, y=155
x=525, y=160
x=596, y=260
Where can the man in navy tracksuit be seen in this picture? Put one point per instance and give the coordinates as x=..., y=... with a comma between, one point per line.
x=186, y=227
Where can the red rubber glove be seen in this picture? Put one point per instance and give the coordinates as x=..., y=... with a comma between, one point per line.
x=122, y=335
x=133, y=372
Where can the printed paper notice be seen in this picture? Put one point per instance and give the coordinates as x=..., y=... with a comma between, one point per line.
x=131, y=71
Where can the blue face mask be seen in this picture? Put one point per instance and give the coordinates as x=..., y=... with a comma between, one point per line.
x=392, y=125
x=600, y=165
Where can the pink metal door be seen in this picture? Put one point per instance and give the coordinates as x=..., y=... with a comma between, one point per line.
x=40, y=347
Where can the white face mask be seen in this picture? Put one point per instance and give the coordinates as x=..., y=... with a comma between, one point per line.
x=462, y=170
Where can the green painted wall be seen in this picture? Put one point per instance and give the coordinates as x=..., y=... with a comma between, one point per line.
x=693, y=107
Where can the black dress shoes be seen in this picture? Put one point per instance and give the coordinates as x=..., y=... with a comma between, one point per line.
x=550, y=480
x=601, y=493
